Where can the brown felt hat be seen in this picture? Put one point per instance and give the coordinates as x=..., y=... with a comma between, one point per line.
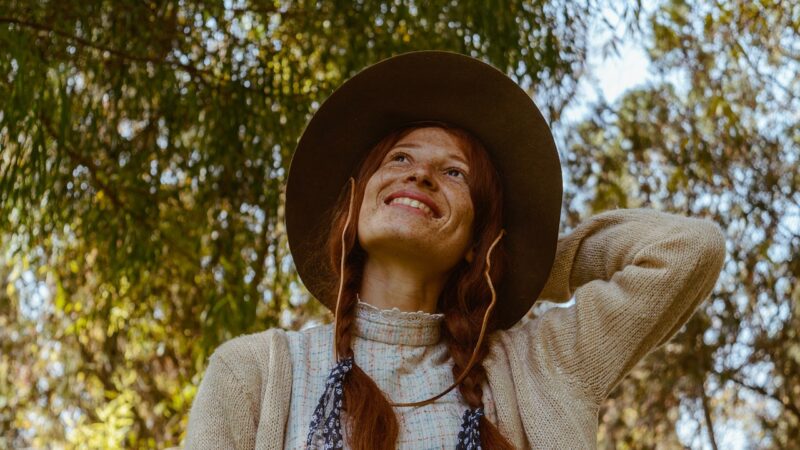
x=442, y=87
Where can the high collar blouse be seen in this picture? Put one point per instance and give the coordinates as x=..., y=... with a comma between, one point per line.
x=404, y=354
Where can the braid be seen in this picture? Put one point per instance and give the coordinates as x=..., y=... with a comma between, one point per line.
x=372, y=421
x=346, y=317
x=367, y=407
x=461, y=340
x=464, y=301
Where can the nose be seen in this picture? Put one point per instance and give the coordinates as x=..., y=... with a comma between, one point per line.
x=421, y=175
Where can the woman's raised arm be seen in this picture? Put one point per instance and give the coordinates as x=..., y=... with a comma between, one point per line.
x=637, y=276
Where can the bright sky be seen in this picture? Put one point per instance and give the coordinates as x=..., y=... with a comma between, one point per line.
x=613, y=73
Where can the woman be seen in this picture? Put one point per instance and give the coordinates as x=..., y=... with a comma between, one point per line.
x=434, y=183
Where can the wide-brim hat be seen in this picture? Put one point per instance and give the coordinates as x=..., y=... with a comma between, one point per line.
x=443, y=87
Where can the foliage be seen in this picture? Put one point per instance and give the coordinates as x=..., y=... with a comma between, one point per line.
x=144, y=145
x=144, y=149
x=715, y=134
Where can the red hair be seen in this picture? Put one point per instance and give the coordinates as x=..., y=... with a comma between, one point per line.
x=464, y=299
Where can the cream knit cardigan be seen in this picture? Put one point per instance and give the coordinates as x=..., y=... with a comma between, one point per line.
x=637, y=275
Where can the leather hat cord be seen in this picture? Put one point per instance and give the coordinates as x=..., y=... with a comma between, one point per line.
x=341, y=268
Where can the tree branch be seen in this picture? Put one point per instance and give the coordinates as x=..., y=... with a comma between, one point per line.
x=204, y=76
x=763, y=391
x=707, y=415
x=118, y=53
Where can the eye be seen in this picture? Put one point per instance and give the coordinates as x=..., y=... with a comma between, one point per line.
x=398, y=157
x=455, y=172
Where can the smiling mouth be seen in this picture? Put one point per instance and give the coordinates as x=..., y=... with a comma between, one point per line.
x=410, y=202
x=415, y=201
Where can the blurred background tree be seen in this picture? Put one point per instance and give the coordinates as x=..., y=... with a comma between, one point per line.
x=145, y=145
x=715, y=134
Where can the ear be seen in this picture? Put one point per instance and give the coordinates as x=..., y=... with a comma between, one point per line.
x=470, y=256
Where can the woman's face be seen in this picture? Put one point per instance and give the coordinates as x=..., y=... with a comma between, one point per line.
x=417, y=206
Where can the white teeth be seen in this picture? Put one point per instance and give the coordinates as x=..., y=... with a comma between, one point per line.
x=412, y=203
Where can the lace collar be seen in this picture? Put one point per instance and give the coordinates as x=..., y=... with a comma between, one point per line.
x=392, y=326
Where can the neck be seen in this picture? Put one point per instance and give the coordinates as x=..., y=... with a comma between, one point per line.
x=385, y=285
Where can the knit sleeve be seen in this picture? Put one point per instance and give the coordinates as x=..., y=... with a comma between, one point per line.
x=223, y=414
x=637, y=276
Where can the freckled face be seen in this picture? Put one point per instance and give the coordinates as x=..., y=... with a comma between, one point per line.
x=417, y=205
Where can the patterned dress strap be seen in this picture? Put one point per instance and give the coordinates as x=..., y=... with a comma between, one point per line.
x=469, y=438
x=329, y=409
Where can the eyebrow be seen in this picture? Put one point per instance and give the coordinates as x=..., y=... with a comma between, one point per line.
x=454, y=156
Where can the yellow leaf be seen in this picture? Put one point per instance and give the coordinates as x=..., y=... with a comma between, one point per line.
x=61, y=297
x=794, y=352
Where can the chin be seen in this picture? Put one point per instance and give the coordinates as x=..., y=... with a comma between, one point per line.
x=403, y=237
x=397, y=241
x=404, y=245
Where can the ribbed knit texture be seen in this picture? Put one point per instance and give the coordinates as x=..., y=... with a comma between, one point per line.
x=636, y=275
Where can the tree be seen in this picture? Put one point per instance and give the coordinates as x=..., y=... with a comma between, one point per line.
x=715, y=134
x=144, y=146
x=144, y=149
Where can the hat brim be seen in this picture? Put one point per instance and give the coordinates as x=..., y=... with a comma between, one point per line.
x=444, y=87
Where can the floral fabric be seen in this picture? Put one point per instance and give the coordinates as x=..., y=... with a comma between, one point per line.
x=330, y=418
x=469, y=438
